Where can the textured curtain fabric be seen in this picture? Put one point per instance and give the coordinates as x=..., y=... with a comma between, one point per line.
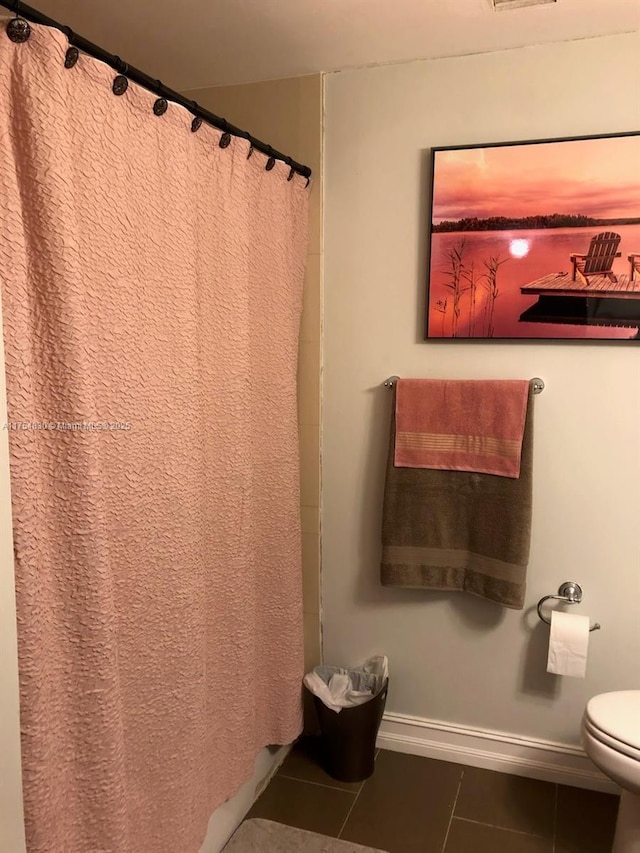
x=152, y=288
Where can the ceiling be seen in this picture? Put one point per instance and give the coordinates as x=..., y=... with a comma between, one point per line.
x=196, y=43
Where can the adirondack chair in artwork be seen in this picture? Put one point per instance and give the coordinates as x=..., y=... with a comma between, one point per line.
x=599, y=259
x=634, y=261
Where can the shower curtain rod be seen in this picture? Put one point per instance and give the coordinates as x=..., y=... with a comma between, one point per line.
x=24, y=11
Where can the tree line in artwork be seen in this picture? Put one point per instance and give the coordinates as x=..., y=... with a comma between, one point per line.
x=506, y=223
x=466, y=279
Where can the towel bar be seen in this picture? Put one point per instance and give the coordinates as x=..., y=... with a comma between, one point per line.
x=570, y=593
x=536, y=383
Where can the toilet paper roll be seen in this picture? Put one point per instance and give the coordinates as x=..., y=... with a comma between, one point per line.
x=568, y=644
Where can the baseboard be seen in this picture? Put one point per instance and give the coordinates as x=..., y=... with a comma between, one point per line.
x=278, y=755
x=492, y=750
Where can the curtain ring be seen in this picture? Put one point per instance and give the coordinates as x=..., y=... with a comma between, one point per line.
x=160, y=107
x=225, y=140
x=71, y=57
x=120, y=85
x=18, y=30
x=271, y=162
x=250, y=154
x=196, y=123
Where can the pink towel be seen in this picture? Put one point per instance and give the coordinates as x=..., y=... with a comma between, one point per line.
x=462, y=425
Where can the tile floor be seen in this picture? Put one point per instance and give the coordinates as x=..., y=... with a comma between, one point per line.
x=419, y=805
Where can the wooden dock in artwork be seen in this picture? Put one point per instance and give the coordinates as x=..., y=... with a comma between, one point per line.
x=598, y=301
x=599, y=286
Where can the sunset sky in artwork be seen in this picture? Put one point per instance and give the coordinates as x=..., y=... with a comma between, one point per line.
x=599, y=178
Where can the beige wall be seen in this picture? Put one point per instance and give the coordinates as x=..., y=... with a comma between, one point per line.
x=287, y=114
x=457, y=658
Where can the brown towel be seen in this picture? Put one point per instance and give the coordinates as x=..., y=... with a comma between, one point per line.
x=458, y=530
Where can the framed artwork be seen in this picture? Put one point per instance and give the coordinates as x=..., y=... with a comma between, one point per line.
x=536, y=240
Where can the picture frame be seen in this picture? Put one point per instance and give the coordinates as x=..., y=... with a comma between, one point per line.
x=535, y=240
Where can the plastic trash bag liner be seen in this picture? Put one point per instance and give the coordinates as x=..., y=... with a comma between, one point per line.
x=339, y=688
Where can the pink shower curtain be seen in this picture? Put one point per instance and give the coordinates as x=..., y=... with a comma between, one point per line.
x=151, y=286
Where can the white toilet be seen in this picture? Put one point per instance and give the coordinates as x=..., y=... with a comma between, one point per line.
x=611, y=738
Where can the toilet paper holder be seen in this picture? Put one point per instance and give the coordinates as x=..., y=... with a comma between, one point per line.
x=569, y=592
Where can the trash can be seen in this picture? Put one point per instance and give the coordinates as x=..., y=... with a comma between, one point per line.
x=349, y=738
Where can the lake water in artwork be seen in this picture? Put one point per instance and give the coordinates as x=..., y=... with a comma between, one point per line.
x=492, y=266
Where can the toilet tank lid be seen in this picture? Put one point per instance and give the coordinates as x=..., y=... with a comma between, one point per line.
x=617, y=714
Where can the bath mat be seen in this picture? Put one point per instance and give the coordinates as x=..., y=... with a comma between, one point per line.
x=265, y=836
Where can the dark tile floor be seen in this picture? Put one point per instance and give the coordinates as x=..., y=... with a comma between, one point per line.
x=418, y=805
